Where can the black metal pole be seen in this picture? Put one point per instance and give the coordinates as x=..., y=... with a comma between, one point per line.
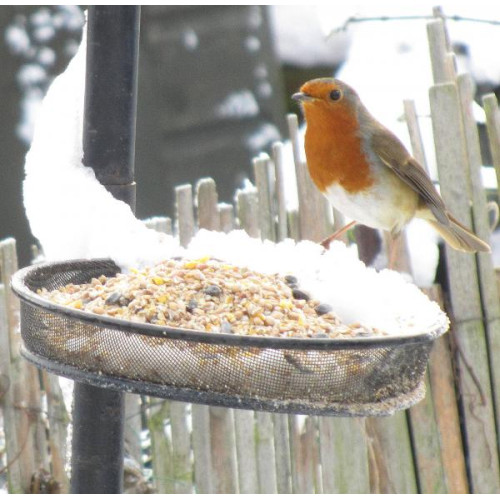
x=108, y=144
x=111, y=97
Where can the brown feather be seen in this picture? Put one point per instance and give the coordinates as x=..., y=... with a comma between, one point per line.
x=392, y=153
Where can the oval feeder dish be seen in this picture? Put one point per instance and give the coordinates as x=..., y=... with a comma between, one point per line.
x=365, y=376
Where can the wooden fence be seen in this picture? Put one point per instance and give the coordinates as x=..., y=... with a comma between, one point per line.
x=448, y=443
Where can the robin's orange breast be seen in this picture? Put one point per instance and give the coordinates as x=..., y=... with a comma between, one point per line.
x=334, y=151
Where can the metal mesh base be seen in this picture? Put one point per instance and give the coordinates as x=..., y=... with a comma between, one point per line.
x=367, y=376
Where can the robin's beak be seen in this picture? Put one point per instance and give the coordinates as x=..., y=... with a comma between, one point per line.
x=301, y=97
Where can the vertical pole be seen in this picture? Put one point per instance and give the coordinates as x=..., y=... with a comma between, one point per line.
x=108, y=144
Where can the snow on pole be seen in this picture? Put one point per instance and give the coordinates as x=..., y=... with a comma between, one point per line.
x=69, y=211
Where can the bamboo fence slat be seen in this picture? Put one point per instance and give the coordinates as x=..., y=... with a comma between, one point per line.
x=490, y=298
x=221, y=419
x=202, y=455
x=14, y=480
x=222, y=446
x=247, y=209
x=185, y=215
x=391, y=462
x=313, y=206
x=417, y=144
x=279, y=174
x=226, y=217
x=199, y=413
x=264, y=437
x=310, y=455
x=58, y=420
x=293, y=224
x=246, y=454
x=299, y=480
x=344, y=455
x=437, y=36
x=24, y=388
x=181, y=447
x=490, y=105
x=161, y=446
x=422, y=418
x=207, y=203
x=426, y=445
x=132, y=431
x=474, y=379
x=262, y=172
x=282, y=452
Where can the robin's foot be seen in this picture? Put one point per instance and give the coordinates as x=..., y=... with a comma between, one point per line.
x=337, y=234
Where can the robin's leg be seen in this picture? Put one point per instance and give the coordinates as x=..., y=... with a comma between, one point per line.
x=398, y=252
x=337, y=234
x=394, y=246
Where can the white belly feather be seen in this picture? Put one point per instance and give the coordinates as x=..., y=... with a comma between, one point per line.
x=377, y=207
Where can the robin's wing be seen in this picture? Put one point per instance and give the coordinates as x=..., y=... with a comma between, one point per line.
x=392, y=153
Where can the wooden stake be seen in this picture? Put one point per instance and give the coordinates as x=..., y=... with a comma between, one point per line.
x=475, y=389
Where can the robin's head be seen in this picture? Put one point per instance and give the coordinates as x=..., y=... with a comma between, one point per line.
x=328, y=95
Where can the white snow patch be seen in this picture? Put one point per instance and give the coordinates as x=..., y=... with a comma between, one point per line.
x=17, y=39
x=190, y=39
x=252, y=44
x=263, y=136
x=238, y=104
x=69, y=211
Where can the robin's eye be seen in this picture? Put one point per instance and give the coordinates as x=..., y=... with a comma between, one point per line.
x=335, y=95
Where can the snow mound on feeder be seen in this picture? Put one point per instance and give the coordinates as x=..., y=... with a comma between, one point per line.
x=69, y=211
x=358, y=294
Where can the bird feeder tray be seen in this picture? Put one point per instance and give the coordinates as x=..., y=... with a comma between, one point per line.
x=344, y=377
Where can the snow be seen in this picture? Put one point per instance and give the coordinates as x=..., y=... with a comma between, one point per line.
x=70, y=212
x=73, y=216
x=17, y=39
x=299, y=38
x=262, y=137
x=252, y=44
x=190, y=39
x=239, y=104
x=27, y=38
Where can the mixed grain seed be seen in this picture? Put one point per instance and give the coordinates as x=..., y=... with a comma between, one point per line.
x=209, y=295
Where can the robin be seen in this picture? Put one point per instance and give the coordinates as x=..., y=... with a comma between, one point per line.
x=365, y=171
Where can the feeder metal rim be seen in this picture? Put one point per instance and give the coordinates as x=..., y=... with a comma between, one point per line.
x=25, y=294
x=381, y=408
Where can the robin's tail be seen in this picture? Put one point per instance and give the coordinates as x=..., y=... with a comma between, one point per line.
x=458, y=236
